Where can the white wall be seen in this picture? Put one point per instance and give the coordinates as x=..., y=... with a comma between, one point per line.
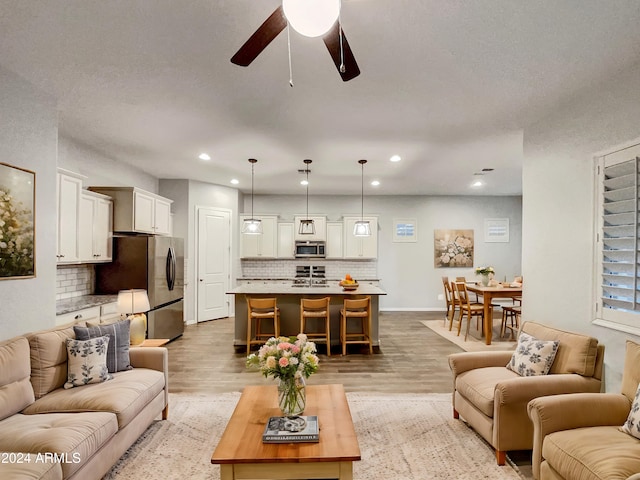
x=558, y=198
x=28, y=139
x=100, y=169
x=407, y=270
x=188, y=196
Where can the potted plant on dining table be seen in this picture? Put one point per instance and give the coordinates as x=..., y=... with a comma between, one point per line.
x=486, y=273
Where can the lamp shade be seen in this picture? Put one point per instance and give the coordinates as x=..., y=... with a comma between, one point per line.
x=311, y=18
x=252, y=226
x=362, y=228
x=133, y=301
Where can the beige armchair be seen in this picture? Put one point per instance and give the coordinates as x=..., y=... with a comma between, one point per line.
x=578, y=436
x=493, y=399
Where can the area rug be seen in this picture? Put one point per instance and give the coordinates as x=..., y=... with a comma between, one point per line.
x=401, y=437
x=472, y=344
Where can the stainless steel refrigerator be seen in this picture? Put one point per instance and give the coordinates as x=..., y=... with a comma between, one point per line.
x=155, y=264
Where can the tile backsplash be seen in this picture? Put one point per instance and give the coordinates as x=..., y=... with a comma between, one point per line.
x=74, y=281
x=285, y=269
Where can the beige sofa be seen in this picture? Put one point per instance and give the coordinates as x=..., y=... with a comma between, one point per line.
x=50, y=432
x=493, y=399
x=578, y=436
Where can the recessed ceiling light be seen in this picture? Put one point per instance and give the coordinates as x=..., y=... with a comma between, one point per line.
x=235, y=181
x=204, y=156
x=395, y=158
x=477, y=183
x=375, y=183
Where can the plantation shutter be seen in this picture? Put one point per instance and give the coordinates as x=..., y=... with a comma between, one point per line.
x=618, y=275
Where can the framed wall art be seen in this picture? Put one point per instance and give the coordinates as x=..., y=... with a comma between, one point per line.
x=405, y=230
x=496, y=230
x=17, y=222
x=453, y=248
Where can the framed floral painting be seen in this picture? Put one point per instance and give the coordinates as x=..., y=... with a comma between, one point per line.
x=453, y=248
x=17, y=222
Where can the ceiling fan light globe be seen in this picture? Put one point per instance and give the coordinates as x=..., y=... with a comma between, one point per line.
x=311, y=18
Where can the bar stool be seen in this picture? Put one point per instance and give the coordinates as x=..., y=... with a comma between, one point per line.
x=316, y=308
x=513, y=314
x=260, y=309
x=360, y=310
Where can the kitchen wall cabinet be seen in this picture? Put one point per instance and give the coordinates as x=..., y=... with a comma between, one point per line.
x=138, y=211
x=320, y=223
x=286, y=243
x=95, y=228
x=333, y=248
x=360, y=247
x=260, y=246
x=68, y=210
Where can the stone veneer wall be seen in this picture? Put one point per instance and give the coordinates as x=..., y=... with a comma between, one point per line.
x=284, y=269
x=74, y=281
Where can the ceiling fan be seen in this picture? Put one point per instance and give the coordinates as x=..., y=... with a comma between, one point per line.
x=296, y=13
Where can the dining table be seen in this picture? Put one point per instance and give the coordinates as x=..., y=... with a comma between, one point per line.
x=488, y=294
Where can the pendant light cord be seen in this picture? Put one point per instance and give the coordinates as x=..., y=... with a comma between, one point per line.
x=289, y=50
x=307, y=191
x=362, y=195
x=342, y=67
x=252, y=164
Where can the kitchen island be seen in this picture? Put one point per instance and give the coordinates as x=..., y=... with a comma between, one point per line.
x=288, y=301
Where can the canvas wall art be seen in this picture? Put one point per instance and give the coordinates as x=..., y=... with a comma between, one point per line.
x=453, y=248
x=17, y=222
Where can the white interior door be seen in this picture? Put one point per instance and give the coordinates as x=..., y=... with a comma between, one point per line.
x=214, y=250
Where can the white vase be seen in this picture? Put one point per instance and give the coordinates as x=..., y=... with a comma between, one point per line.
x=485, y=280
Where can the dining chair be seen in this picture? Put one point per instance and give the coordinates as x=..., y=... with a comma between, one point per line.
x=448, y=297
x=359, y=310
x=467, y=308
x=455, y=304
x=259, y=310
x=510, y=313
x=312, y=309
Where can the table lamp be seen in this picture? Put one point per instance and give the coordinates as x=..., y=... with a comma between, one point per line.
x=134, y=303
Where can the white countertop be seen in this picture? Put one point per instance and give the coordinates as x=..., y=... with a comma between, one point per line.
x=284, y=289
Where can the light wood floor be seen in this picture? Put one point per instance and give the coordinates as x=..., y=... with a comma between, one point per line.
x=412, y=359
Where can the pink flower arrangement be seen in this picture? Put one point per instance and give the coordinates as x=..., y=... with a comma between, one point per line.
x=286, y=357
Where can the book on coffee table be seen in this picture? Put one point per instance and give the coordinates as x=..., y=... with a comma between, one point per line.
x=293, y=429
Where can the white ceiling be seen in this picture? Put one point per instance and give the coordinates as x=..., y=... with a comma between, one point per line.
x=448, y=85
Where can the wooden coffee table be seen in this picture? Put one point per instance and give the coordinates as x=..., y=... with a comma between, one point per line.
x=242, y=455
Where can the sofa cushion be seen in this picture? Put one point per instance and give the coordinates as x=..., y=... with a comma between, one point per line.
x=118, y=350
x=49, y=358
x=126, y=395
x=77, y=436
x=632, y=425
x=31, y=470
x=16, y=391
x=479, y=385
x=533, y=356
x=87, y=361
x=576, y=353
x=593, y=453
x=631, y=374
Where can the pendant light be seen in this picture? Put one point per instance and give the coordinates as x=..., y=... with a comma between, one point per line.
x=307, y=226
x=362, y=228
x=252, y=226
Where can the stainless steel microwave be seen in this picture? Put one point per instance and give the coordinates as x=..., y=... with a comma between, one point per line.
x=310, y=249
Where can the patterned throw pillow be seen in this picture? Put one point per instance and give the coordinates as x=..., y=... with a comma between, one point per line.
x=118, y=350
x=532, y=356
x=87, y=361
x=632, y=425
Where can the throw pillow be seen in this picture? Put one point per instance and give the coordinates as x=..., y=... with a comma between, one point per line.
x=87, y=361
x=632, y=425
x=118, y=349
x=532, y=356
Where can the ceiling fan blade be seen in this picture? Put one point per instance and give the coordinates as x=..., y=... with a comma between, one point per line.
x=262, y=37
x=332, y=41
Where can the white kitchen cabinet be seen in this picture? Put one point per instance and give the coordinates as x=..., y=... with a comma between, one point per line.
x=333, y=248
x=286, y=244
x=109, y=313
x=138, y=211
x=320, y=223
x=68, y=211
x=360, y=247
x=260, y=246
x=91, y=313
x=95, y=228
